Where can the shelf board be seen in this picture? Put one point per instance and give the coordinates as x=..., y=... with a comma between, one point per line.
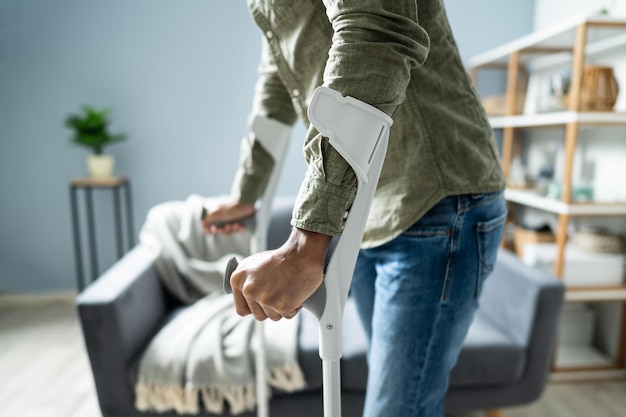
x=534, y=200
x=559, y=37
x=597, y=294
x=568, y=356
x=569, y=375
x=558, y=119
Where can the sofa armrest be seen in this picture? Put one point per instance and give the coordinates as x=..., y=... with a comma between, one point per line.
x=511, y=296
x=525, y=303
x=119, y=313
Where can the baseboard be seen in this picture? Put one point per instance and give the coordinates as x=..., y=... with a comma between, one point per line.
x=7, y=298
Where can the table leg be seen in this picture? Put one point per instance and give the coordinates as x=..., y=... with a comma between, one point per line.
x=118, y=222
x=92, y=234
x=129, y=217
x=80, y=280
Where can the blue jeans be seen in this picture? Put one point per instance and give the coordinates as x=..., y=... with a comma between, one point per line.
x=416, y=297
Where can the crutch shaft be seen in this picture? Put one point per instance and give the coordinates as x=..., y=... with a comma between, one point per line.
x=332, y=388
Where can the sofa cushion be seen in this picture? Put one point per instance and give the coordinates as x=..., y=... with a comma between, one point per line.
x=488, y=355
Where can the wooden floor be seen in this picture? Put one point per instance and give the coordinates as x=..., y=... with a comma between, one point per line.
x=45, y=372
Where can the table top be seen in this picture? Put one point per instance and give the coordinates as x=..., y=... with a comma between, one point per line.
x=98, y=182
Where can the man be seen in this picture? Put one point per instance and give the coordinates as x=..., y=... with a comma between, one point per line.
x=437, y=217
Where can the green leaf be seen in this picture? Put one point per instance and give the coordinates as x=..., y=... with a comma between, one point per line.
x=91, y=129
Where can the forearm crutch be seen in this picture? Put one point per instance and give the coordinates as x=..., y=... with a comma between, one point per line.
x=360, y=133
x=274, y=138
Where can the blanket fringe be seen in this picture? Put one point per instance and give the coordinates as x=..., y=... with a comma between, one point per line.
x=166, y=398
x=288, y=377
x=238, y=399
x=149, y=397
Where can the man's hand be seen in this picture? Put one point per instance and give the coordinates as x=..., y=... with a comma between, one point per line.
x=275, y=283
x=222, y=217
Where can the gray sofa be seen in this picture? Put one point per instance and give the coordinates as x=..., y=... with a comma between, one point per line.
x=504, y=361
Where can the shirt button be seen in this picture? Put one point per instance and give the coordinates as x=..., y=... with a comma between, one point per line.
x=295, y=92
x=269, y=34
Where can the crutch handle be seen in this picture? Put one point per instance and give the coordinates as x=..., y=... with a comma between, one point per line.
x=249, y=222
x=230, y=268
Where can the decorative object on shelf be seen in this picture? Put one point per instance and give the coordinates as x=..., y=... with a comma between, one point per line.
x=91, y=129
x=524, y=235
x=519, y=177
x=547, y=92
x=554, y=190
x=583, y=191
x=599, y=240
x=607, y=8
x=545, y=177
x=496, y=105
x=599, y=89
x=559, y=89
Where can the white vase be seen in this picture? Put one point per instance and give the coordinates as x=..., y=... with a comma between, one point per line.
x=100, y=166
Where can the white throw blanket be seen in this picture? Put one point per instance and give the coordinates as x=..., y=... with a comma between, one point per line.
x=205, y=355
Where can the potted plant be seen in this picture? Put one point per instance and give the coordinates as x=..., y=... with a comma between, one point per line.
x=91, y=129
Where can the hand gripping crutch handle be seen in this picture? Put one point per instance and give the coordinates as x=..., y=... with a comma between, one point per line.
x=315, y=303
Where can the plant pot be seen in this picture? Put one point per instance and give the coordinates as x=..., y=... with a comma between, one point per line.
x=100, y=166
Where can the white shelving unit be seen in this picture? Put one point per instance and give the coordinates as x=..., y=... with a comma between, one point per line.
x=570, y=42
x=558, y=40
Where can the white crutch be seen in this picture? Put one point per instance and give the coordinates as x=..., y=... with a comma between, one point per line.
x=360, y=133
x=274, y=137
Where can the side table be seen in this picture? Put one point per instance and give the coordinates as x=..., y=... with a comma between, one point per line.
x=115, y=184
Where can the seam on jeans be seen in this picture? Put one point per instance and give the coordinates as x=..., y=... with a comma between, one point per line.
x=479, y=272
x=454, y=237
x=417, y=405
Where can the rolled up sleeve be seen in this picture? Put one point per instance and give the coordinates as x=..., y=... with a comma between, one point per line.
x=375, y=46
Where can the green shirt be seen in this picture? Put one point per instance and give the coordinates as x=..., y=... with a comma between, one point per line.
x=397, y=56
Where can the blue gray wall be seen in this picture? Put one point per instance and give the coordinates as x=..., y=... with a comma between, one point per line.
x=179, y=78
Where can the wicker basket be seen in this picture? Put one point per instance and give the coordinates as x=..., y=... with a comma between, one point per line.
x=599, y=241
x=599, y=89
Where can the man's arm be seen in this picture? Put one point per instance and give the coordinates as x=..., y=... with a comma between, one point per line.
x=375, y=46
x=271, y=100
